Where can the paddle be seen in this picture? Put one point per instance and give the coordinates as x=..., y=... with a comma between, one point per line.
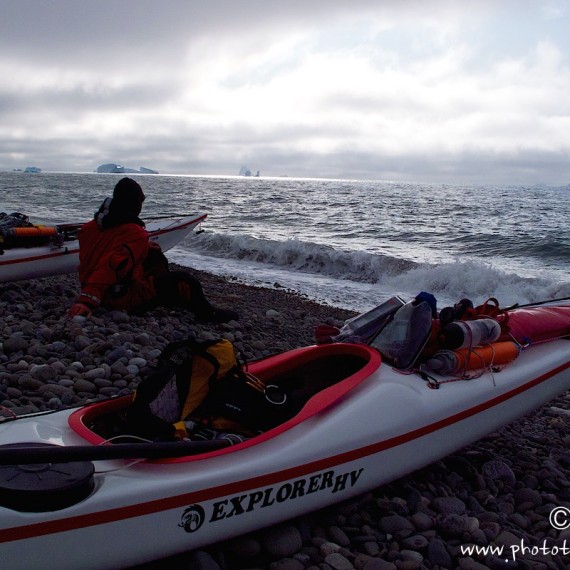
x=517, y=306
x=30, y=453
x=169, y=216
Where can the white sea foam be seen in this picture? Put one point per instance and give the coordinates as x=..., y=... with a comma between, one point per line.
x=357, y=280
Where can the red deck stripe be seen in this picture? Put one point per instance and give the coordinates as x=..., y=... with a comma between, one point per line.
x=59, y=253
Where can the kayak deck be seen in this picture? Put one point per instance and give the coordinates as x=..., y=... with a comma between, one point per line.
x=315, y=377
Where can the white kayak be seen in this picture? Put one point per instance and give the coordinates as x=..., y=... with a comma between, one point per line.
x=368, y=425
x=62, y=255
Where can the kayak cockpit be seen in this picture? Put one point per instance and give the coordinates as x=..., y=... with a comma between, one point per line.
x=318, y=377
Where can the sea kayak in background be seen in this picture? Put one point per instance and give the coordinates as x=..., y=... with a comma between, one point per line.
x=60, y=252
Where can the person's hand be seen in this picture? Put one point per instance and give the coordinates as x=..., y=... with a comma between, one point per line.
x=79, y=310
x=154, y=245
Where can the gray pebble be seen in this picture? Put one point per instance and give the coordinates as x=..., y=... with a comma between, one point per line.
x=415, y=542
x=525, y=495
x=422, y=521
x=395, y=523
x=117, y=353
x=56, y=389
x=95, y=373
x=26, y=382
x=438, y=554
x=281, y=541
x=15, y=343
x=338, y=562
x=449, y=505
x=499, y=470
x=55, y=404
x=287, y=564
x=85, y=386
x=339, y=536
x=81, y=342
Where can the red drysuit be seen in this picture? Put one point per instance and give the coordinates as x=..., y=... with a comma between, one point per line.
x=110, y=266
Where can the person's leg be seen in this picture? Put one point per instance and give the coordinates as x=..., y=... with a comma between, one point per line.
x=180, y=288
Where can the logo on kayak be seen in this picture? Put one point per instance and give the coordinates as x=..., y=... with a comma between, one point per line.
x=192, y=518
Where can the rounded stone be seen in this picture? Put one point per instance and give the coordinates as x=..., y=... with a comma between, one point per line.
x=438, y=554
x=499, y=470
x=339, y=536
x=338, y=561
x=449, y=505
x=28, y=383
x=15, y=343
x=281, y=541
x=95, y=373
x=82, y=385
x=395, y=523
x=415, y=542
x=81, y=342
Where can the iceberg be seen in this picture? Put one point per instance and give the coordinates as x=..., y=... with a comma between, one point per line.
x=246, y=171
x=110, y=168
x=113, y=168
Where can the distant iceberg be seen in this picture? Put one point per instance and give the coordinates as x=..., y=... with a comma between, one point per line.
x=32, y=169
x=245, y=171
x=112, y=168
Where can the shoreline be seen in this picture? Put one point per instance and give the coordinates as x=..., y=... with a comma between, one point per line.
x=499, y=490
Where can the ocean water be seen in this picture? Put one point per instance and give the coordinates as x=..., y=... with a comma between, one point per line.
x=349, y=243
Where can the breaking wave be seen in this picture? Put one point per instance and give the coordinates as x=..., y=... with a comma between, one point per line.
x=377, y=274
x=302, y=256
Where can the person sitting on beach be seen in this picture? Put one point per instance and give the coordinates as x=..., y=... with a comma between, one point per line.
x=120, y=268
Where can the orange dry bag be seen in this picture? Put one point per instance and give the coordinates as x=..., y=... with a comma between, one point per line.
x=35, y=231
x=450, y=362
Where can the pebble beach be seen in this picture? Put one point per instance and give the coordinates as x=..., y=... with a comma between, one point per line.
x=498, y=493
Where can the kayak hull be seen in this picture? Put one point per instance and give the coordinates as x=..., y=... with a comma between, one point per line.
x=21, y=263
x=376, y=425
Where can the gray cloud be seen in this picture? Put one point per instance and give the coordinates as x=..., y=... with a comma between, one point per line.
x=406, y=90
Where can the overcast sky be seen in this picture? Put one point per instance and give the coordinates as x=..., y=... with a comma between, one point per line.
x=426, y=90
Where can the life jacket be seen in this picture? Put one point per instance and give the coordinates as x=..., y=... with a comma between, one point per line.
x=178, y=385
x=199, y=386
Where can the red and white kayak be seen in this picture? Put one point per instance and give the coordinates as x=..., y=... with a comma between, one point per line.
x=368, y=425
x=61, y=256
